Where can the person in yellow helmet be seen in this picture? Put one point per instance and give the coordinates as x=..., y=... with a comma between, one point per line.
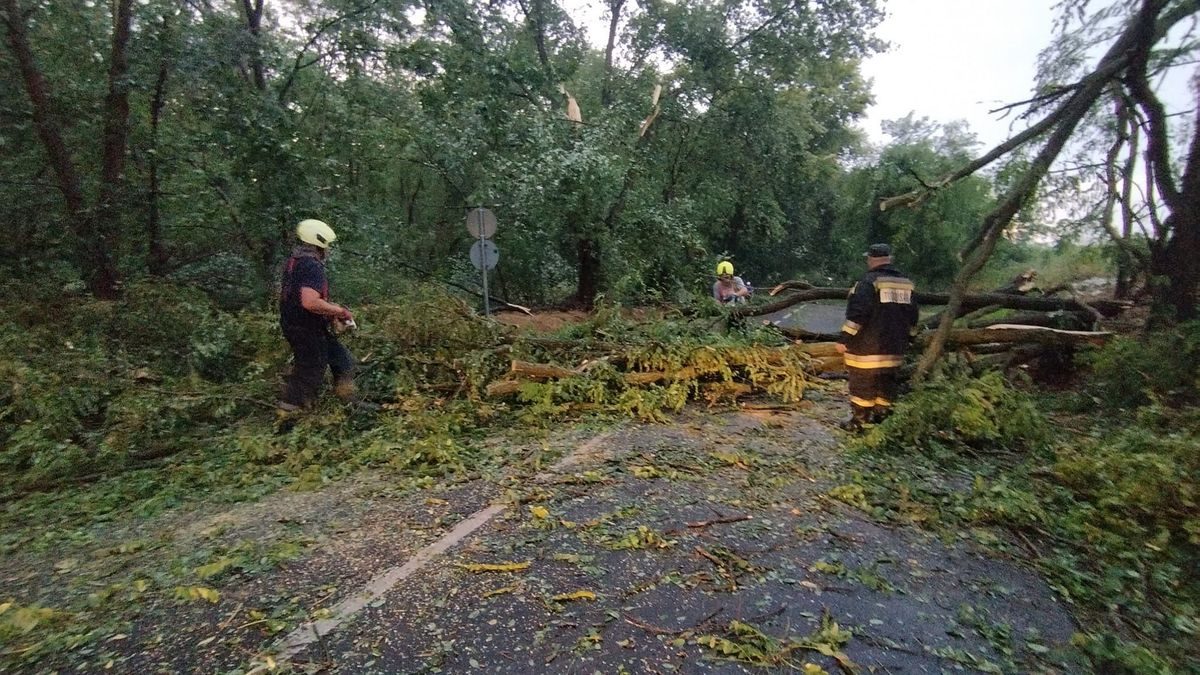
x=729, y=289
x=307, y=318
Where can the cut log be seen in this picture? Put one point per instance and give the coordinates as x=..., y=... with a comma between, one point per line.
x=539, y=371
x=830, y=364
x=828, y=348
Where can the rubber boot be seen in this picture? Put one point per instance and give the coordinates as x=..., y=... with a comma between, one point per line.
x=859, y=417
x=343, y=388
x=285, y=416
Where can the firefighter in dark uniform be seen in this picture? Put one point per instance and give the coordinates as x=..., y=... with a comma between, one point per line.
x=881, y=316
x=307, y=319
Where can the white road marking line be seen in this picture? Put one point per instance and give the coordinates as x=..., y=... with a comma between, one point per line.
x=307, y=633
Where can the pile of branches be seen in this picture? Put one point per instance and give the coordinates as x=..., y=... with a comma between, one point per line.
x=649, y=378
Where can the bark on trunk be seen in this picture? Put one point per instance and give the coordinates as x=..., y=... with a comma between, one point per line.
x=94, y=259
x=156, y=253
x=1064, y=121
x=588, y=260
x=254, y=12
x=116, y=132
x=614, y=18
x=1175, y=260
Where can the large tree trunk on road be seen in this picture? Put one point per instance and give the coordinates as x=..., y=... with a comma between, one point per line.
x=967, y=303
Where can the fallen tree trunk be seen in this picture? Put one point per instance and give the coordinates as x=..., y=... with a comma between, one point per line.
x=1015, y=334
x=1062, y=321
x=807, y=335
x=819, y=357
x=1107, y=308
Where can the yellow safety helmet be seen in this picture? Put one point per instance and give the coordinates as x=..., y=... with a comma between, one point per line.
x=724, y=267
x=315, y=232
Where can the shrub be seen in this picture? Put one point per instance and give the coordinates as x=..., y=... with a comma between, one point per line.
x=959, y=411
x=1133, y=371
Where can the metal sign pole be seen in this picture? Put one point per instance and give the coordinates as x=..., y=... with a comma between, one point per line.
x=487, y=309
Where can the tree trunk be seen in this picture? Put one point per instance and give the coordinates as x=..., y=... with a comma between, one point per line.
x=537, y=24
x=156, y=253
x=614, y=8
x=734, y=227
x=967, y=302
x=116, y=128
x=1184, y=222
x=1181, y=258
x=410, y=208
x=588, y=260
x=93, y=258
x=1175, y=260
x=254, y=12
x=1064, y=121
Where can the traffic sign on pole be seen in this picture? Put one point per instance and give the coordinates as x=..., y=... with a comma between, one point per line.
x=484, y=254
x=481, y=223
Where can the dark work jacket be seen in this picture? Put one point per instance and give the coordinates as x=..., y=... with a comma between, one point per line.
x=302, y=269
x=880, y=317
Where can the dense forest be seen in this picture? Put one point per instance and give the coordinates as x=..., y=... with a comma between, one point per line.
x=183, y=141
x=156, y=157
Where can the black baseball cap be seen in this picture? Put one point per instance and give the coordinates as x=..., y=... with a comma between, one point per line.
x=878, y=251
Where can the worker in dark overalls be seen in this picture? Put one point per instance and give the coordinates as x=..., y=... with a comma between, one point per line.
x=308, y=319
x=881, y=316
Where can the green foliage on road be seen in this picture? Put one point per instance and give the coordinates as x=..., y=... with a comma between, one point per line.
x=163, y=379
x=1109, y=510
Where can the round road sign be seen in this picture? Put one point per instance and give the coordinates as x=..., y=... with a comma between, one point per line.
x=484, y=254
x=481, y=223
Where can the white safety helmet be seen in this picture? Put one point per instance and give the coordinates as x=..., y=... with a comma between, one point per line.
x=316, y=233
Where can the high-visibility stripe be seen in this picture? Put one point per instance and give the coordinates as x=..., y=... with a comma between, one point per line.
x=873, y=361
x=883, y=402
x=851, y=328
x=862, y=402
x=894, y=290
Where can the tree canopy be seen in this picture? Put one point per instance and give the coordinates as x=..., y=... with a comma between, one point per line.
x=184, y=141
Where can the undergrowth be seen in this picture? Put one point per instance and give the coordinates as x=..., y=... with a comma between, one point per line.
x=112, y=413
x=1107, y=507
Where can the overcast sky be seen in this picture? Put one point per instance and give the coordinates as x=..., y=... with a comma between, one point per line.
x=957, y=59
x=949, y=60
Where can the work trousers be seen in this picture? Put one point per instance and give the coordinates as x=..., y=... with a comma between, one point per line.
x=314, y=350
x=873, y=388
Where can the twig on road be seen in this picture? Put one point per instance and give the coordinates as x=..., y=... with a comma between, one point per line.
x=719, y=521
